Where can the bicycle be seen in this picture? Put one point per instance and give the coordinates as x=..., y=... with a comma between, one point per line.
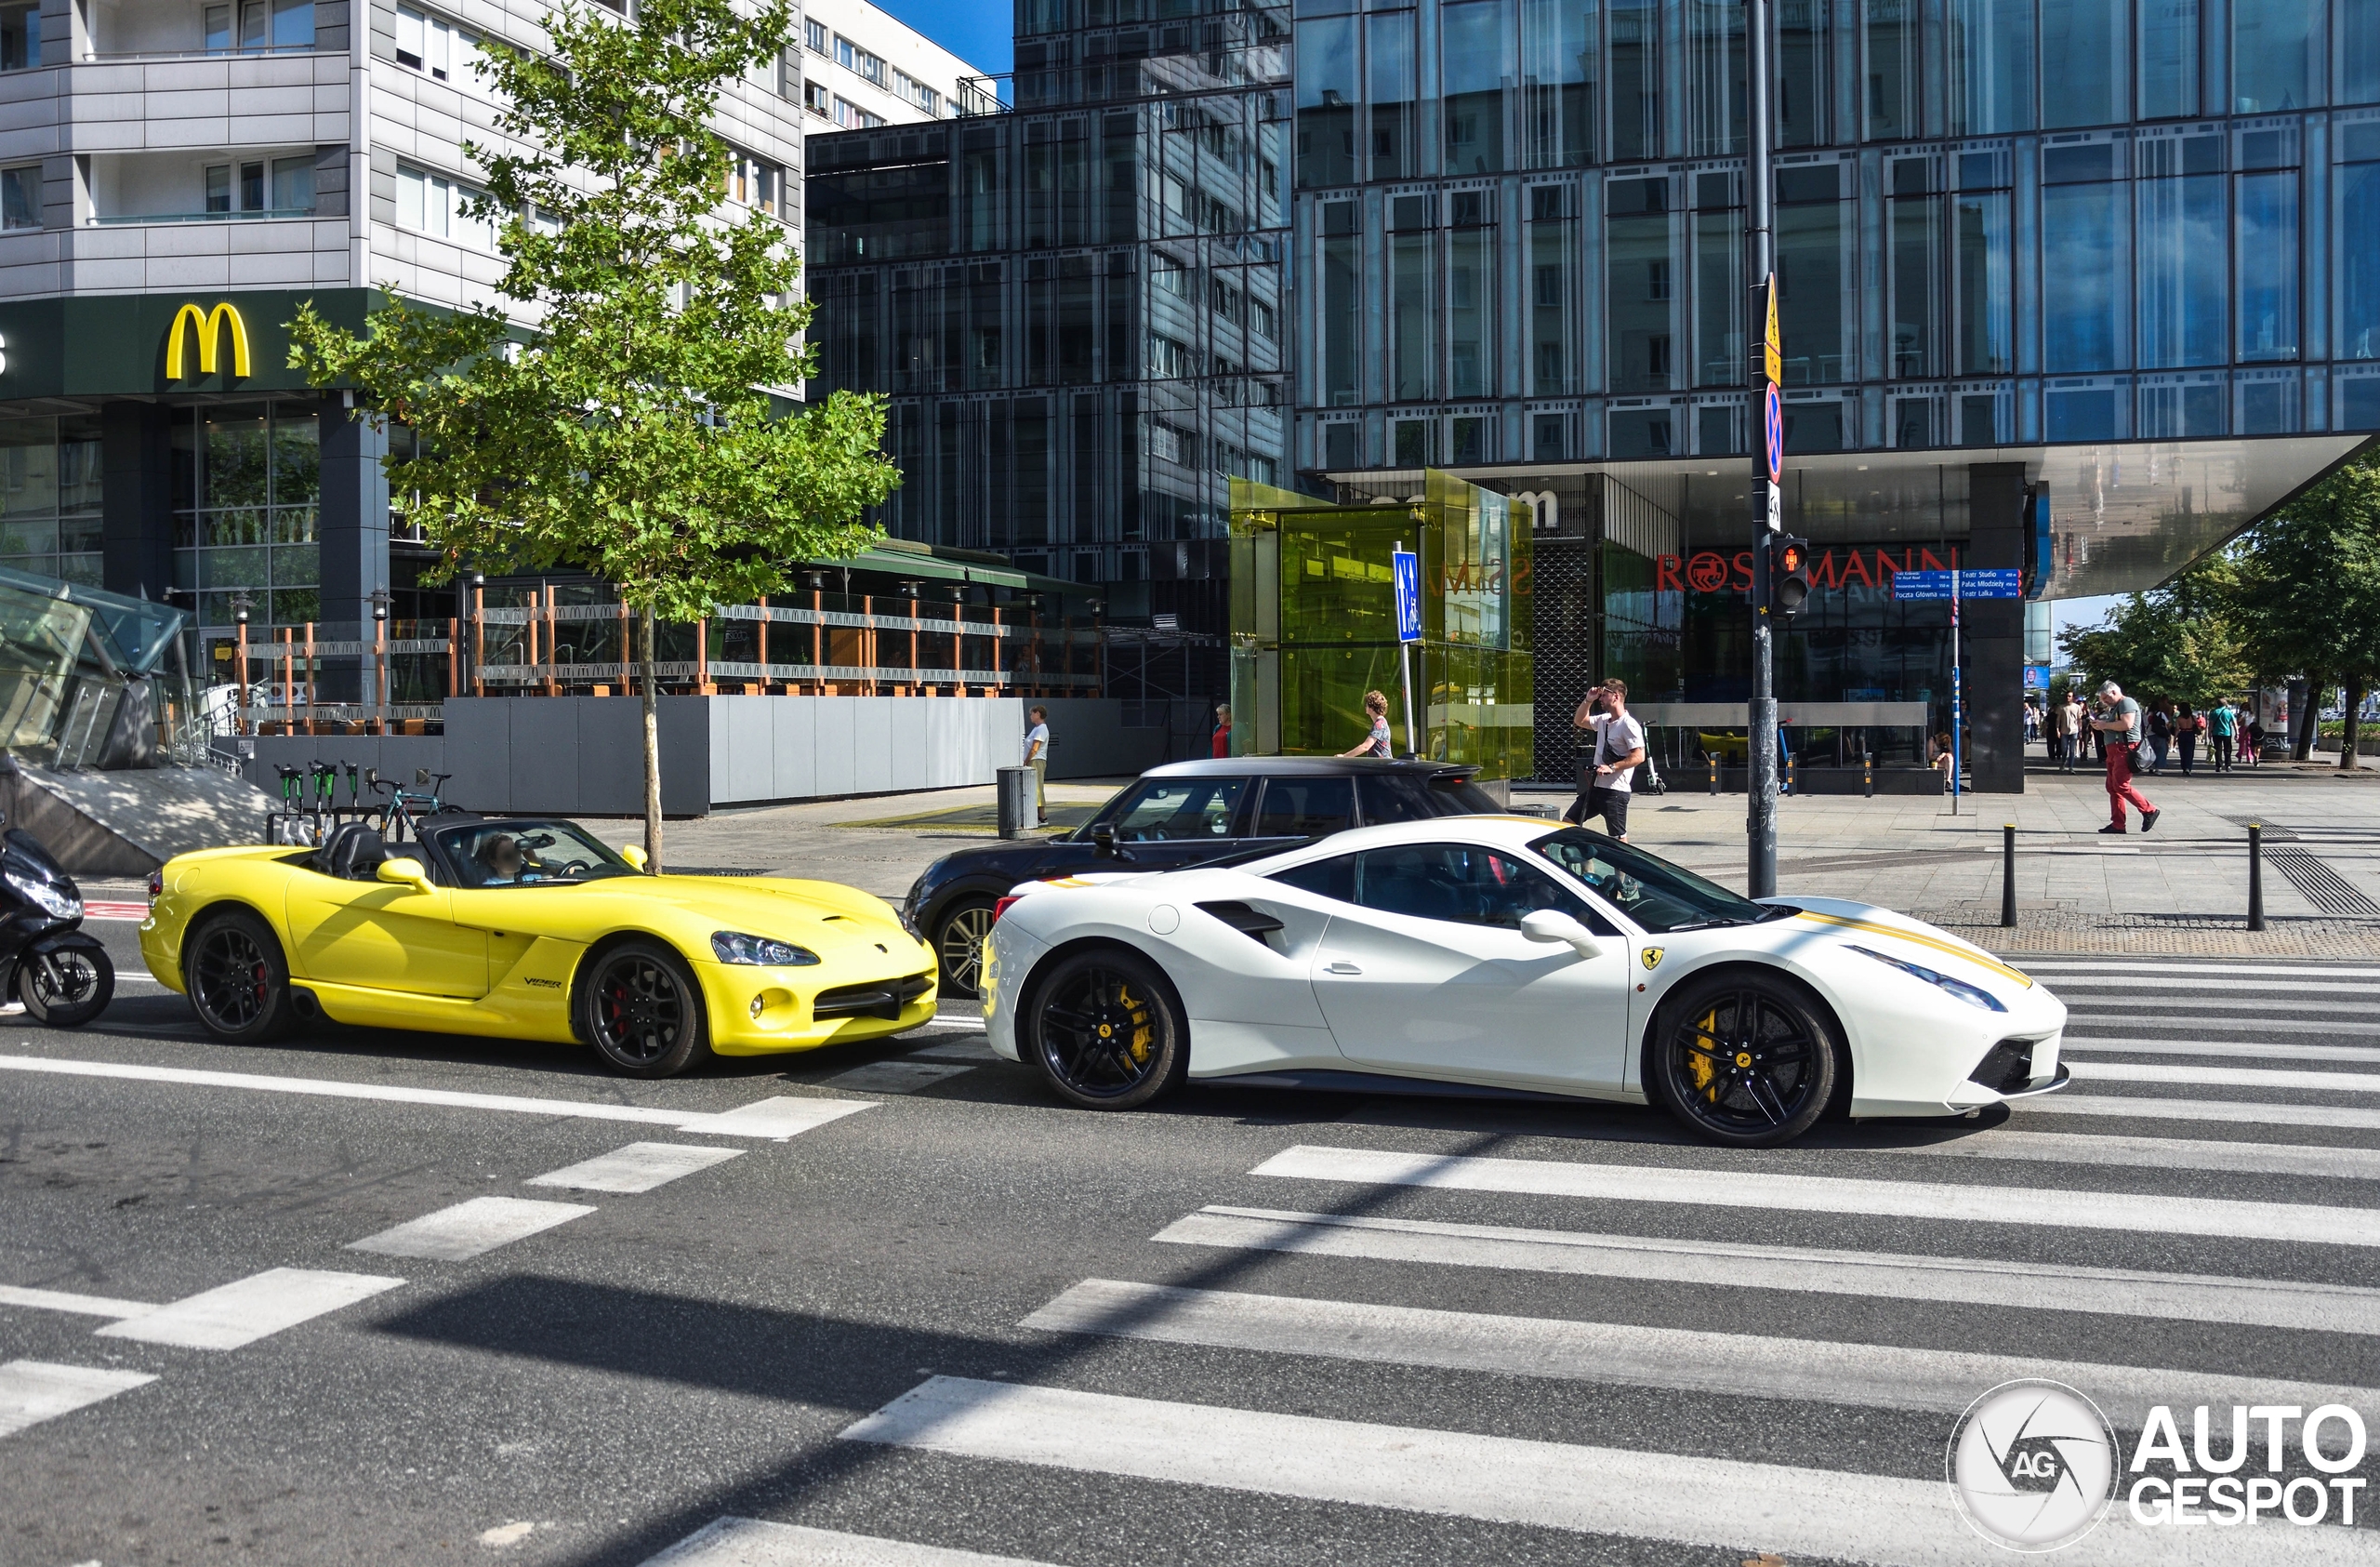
x=405, y=807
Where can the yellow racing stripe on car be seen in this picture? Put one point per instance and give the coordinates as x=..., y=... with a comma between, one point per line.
x=1900, y=934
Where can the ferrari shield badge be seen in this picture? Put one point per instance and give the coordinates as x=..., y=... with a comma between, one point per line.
x=1652, y=956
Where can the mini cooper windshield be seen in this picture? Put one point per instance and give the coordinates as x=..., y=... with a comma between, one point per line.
x=1661, y=897
x=526, y=854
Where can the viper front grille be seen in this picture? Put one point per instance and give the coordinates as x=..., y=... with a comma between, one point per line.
x=885, y=998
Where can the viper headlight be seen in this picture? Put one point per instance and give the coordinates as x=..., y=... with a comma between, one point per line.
x=48, y=897
x=1974, y=995
x=734, y=947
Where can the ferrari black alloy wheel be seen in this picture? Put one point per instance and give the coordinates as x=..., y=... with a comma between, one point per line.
x=1105, y=1030
x=1744, y=1059
x=959, y=943
x=65, y=989
x=642, y=1012
x=237, y=978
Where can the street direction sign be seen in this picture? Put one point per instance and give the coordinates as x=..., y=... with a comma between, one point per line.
x=1404, y=566
x=1919, y=586
x=1773, y=433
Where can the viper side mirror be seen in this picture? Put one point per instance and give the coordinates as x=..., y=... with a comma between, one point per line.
x=634, y=855
x=403, y=874
x=1551, y=926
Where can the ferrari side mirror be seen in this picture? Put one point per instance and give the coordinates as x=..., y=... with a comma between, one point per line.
x=404, y=873
x=634, y=855
x=1551, y=926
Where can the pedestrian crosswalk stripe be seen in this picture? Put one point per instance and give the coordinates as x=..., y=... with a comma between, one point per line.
x=751, y=1542
x=2246, y=1112
x=2023, y=1285
x=637, y=1167
x=468, y=1228
x=2222, y=995
x=1678, y=1497
x=1747, y=1365
x=2264, y=1050
x=2104, y=968
x=2088, y=1013
x=2162, y=1154
x=2151, y=1214
x=2226, y=1077
x=246, y=1309
x=77, y=1304
x=32, y=1391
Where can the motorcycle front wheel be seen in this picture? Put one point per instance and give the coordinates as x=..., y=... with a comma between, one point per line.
x=66, y=989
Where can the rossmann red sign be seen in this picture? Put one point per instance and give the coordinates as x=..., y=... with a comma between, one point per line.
x=1708, y=571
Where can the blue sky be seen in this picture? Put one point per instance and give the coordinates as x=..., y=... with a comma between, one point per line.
x=980, y=31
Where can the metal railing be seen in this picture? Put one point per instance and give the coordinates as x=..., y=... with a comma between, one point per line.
x=252, y=215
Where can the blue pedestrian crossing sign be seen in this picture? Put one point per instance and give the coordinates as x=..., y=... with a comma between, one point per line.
x=1406, y=567
x=1920, y=585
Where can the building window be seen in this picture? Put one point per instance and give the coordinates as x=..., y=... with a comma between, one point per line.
x=20, y=197
x=756, y=183
x=813, y=98
x=432, y=203
x=49, y=497
x=1168, y=360
x=435, y=45
x=814, y=35
x=850, y=57
x=245, y=25
x=910, y=88
x=19, y=37
x=850, y=116
x=266, y=187
x=246, y=487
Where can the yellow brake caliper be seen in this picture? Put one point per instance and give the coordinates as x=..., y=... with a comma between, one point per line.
x=1140, y=1024
x=1706, y=1041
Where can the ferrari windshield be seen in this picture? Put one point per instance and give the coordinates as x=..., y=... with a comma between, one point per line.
x=525, y=854
x=1649, y=890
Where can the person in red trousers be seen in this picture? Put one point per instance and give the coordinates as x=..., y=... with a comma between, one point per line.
x=2118, y=721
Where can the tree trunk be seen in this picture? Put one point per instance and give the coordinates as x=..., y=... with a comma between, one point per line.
x=2348, y=761
x=651, y=749
x=2308, y=717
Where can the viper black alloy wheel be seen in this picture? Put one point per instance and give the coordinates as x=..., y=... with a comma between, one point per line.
x=1105, y=1030
x=237, y=978
x=65, y=989
x=642, y=1011
x=959, y=943
x=1744, y=1060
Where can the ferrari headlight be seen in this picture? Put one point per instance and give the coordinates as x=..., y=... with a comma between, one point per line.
x=1974, y=995
x=734, y=947
x=47, y=896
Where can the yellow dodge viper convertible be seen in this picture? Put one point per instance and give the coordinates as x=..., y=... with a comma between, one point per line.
x=529, y=929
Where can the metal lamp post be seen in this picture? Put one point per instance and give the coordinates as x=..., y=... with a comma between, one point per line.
x=1760, y=264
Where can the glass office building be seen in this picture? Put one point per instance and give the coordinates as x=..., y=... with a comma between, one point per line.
x=1076, y=302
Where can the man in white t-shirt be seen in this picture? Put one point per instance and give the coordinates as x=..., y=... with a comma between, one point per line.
x=1609, y=767
x=1037, y=756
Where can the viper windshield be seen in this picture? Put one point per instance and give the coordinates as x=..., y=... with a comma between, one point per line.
x=1661, y=897
x=526, y=854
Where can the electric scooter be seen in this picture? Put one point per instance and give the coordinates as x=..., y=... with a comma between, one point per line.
x=49, y=963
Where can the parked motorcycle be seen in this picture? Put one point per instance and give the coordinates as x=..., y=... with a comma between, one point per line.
x=58, y=971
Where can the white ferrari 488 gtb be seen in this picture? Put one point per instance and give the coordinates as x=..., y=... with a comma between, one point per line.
x=1507, y=953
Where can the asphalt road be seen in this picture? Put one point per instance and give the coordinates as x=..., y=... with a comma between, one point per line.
x=1392, y=1331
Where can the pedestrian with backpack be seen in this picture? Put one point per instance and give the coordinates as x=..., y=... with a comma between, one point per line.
x=2118, y=725
x=2187, y=725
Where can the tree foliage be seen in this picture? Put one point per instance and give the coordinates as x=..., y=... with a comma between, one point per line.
x=2157, y=651
x=629, y=429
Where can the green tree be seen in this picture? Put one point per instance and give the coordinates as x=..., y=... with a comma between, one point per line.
x=2160, y=646
x=631, y=430
x=2306, y=596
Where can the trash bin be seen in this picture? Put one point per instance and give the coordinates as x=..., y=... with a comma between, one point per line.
x=1013, y=787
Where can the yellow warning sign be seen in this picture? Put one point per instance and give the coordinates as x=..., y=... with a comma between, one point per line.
x=1775, y=342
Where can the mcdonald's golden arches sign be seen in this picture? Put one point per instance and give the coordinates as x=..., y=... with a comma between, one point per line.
x=212, y=327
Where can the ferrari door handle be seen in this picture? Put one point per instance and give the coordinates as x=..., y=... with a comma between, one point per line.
x=1341, y=967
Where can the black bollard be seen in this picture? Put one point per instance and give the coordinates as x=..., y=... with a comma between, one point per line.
x=1712, y=757
x=2008, y=875
x=2256, y=875
x=1868, y=772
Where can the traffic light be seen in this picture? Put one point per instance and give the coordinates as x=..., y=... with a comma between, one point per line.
x=1789, y=572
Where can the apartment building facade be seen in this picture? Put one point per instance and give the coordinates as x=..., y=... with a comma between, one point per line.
x=854, y=67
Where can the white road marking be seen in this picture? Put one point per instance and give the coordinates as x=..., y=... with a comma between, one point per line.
x=2094, y=968
x=32, y=1391
x=751, y=1542
x=2137, y=1213
x=246, y=1309
x=778, y=1117
x=2197, y=996
x=2111, y=1044
x=893, y=1077
x=763, y=1118
x=2226, y=1077
x=1814, y=1371
x=950, y=1020
x=80, y=1304
x=470, y=1229
x=2245, y=1111
x=2087, y=1012
x=1739, y=1506
x=2163, y=1153
x=2032, y=1287
x=637, y=1167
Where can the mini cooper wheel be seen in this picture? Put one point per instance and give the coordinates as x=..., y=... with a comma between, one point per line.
x=65, y=989
x=1107, y=1032
x=642, y=1012
x=1744, y=1059
x=958, y=943
x=237, y=978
